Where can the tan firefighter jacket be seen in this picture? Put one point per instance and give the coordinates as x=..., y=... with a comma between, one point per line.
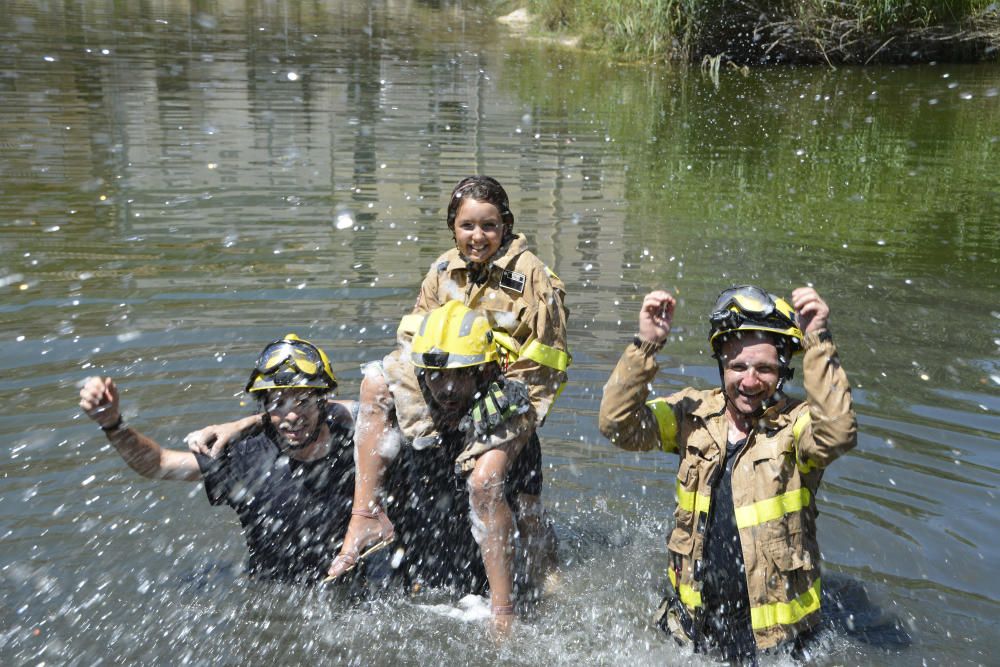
x=524, y=302
x=775, y=478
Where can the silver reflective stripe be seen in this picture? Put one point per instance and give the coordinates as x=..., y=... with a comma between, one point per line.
x=467, y=322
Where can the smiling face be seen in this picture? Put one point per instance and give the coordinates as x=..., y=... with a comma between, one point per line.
x=295, y=415
x=750, y=373
x=479, y=230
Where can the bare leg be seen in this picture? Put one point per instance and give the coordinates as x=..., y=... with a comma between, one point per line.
x=496, y=521
x=376, y=444
x=537, y=538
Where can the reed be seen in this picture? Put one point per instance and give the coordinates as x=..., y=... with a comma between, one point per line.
x=831, y=31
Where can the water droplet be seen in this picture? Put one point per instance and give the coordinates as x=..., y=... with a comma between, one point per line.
x=344, y=219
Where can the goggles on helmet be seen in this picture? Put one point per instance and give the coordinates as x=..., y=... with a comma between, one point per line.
x=300, y=356
x=291, y=362
x=744, y=303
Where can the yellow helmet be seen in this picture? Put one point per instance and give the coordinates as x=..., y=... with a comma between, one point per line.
x=749, y=308
x=453, y=336
x=291, y=363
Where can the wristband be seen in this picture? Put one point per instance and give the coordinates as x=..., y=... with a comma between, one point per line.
x=646, y=347
x=816, y=337
x=116, y=426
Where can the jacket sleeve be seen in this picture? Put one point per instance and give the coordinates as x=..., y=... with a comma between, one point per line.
x=544, y=355
x=625, y=418
x=427, y=300
x=831, y=427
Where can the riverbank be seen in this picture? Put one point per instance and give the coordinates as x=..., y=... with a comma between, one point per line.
x=853, y=32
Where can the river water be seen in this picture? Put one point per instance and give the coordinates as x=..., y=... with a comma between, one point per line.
x=182, y=183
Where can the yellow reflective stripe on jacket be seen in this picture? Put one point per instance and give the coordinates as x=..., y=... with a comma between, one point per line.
x=536, y=351
x=797, y=428
x=692, y=501
x=546, y=355
x=689, y=596
x=667, y=422
x=507, y=342
x=786, y=613
x=410, y=323
x=770, y=509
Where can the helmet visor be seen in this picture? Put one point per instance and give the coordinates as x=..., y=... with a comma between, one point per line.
x=739, y=304
x=301, y=357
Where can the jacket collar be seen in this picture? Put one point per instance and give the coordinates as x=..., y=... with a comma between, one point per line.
x=505, y=257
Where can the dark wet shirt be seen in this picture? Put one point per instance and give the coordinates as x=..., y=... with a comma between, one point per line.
x=724, y=592
x=293, y=513
x=430, y=509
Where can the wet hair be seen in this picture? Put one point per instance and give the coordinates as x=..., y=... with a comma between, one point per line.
x=483, y=189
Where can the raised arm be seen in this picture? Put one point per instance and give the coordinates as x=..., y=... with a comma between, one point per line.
x=99, y=400
x=832, y=427
x=625, y=419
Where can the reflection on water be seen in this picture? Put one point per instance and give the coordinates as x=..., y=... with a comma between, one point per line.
x=182, y=182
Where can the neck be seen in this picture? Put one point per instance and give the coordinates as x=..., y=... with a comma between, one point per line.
x=740, y=424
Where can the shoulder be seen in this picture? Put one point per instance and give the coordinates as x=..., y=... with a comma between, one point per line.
x=340, y=418
x=538, y=274
x=252, y=447
x=446, y=261
x=701, y=403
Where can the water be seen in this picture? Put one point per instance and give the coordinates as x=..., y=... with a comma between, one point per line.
x=183, y=183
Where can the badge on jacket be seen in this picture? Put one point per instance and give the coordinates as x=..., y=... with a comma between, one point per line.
x=513, y=281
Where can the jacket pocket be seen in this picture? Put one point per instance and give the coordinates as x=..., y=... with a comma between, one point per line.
x=685, y=516
x=787, y=546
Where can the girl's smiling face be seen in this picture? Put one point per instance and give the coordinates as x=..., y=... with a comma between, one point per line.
x=479, y=230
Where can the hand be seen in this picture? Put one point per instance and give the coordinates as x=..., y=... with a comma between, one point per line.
x=813, y=313
x=656, y=316
x=99, y=399
x=212, y=440
x=499, y=402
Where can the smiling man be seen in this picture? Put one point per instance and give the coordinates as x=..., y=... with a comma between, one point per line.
x=290, y=482
x=743, y=556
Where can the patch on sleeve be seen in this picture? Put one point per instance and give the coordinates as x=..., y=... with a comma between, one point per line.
x=442, y=266
x=513, y=281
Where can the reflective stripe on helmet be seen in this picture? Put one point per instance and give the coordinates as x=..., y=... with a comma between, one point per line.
x=452, y=336
x=787, y=613
x=438, y=359
x=667, y=423
x=770, y=509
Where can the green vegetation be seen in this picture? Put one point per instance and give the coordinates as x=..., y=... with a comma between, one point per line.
x=763, y=31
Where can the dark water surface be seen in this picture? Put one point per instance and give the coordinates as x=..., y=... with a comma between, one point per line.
x=182, y=183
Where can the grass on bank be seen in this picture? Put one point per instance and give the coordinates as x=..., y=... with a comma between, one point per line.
x=835, y=32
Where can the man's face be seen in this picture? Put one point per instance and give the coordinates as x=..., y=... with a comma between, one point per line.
x=750, y=372
x=294, y=413
x=454, y=390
